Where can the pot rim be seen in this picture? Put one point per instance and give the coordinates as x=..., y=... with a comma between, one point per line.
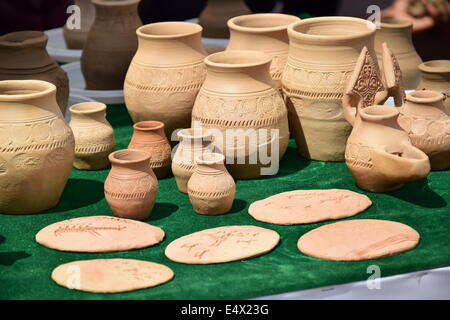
x=131, y=156
x=30, y=37
x=264, y=58
x=115, y=3
x=379, y=112
x=150, y=125
x=424, y=96
x=189, y=133
x=430, y=66
x=42, y=88
x=195, y=29
x=233, y=22
x=393, y=23
x=92, y=107
x=215, y=158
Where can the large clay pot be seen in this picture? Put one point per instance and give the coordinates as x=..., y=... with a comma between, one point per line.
x=265, y=32
x=165, y=74
x=398, y=36
x=36, y=147
x=75, y=38
x=427, y=123
x=111, y=44
x=131, y=186
x=23, y=55
x=214, y=17
x=94, y=136
x=248, y=116
x=436, y=77
x=323, y=53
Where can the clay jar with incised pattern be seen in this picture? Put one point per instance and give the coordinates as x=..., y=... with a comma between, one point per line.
x=36, y=147
x=436, y=77
x=76, y=37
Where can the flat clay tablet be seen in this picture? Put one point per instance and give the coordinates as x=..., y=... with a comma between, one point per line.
x=99, y=234
x=309, y=206
x=223, y=244
x=111, y=275
x=355, y=240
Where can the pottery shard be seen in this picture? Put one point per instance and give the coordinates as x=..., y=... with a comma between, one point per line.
x=309, y=206
x=111, y=275
x=223, y=244
x=355, y=240
x=99, y=234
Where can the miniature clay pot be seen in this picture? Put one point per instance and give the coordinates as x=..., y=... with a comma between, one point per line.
x=75, y=38
x=165, y=74
x=110, y=44
x=323, y=53
x=246, y=113
x=398, y=35
x=427, y=123
x=265, y=32
x=23, y=56
x=94, y=136
x=36, y=147
x=131, y=186
x=193, y=143
x=379, y=153
x=149, y=136
x=211, y=188
x=436, y=77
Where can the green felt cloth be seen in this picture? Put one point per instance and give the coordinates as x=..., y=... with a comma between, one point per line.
x=25, y=266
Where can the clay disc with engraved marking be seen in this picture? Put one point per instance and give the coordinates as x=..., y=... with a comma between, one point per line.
x=223, y=244
x=355, y=240
x=99, y=234
x=309, y=206
x=111, y=275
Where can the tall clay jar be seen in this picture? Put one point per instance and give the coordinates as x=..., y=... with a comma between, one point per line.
x=94, y=136
x=265, y=32
x=110, y=44
x=149, y=136
x=322, y=55
x=36, y=147
x=76, y=37
x=23, y=55
x=246, y=113
x=131, y=186
x=436, y=77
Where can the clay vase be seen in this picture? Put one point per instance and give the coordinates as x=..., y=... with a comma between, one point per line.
x=436, y=77
x=424, y=118
x=149, y=136
x=36, y=147
x=246, y=113
x=211, y=188
x=379, y=153
x=193, y=143
x=23, y=55
x=110, y=44
x=323, y=53
x=214, y=17
x=131, y=186
x=75, y=38
x=265, y=32
x=165, y=74
x=94, y=136
x=398, y=36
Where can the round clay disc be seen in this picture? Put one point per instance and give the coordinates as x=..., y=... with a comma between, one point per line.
x=223, y=244
x=309, y=206
x=99, y=234
x=111, y=275
x=355, y=240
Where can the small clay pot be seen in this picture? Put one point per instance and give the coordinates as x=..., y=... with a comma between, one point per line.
x=211, y=188
x=75, y=38
x=131, y=186
x=436, y=77
x=94, y=136
x=149, y=136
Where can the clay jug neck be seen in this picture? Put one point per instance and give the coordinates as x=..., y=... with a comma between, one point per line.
x=426, y=103
x=148, y=132
x=436, y=71
x=211, y=164
x=108, y=10
x=194, y=139
x=224, y=8
x=398, y=34
x=88, y=113
x=129, y=162
x=87, y=13
x=380, y=116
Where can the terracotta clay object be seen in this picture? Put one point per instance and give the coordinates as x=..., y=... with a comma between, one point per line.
x=265, y=32
x=76, y=37
x=131, y=186
x=94, y=136
x=110, y=44
x=323, y=53
x=23, y=56
x=193, y=143
x=223, y=244
x=436, y=77
x=211, y=188
x=36, y=147
x=214, y=17
x=356, y=240
x=309, y=206
x=239, y=103
x=393, y=76
x=149, y=136
x=165, y=74
x=111, y=275
x=427, y=123
x=99, y=234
